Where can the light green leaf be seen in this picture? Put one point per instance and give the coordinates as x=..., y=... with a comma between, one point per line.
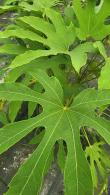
x=21, y=33
x=7, y=2
x=30, y=55
x=79, y=55
x=45, y=3
x=3, y=118
x=104, y=79
x=12, y=49
x=99, y=45
x=7, y=8
x=59, y=36
x=98, y=156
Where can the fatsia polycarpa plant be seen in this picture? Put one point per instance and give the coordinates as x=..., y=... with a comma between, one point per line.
x=50, y=65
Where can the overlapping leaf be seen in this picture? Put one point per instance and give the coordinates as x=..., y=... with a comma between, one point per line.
x=57, y=35
x=58, y=38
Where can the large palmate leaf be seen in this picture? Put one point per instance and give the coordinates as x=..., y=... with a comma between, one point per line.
x=56, y=35
x=92, y=19
x=60, y=122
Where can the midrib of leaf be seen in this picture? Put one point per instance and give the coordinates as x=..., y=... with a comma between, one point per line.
x=51, y=136
x=74, y=150
x=89, y=20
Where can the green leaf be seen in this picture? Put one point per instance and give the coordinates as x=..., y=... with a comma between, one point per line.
x=57, y=36
x=32, y=105
x=16, y=92
x=46, y=63
x=3, y=118
x=104, y=81
x=79, y=55
x=14, y=108
x=37, y=139
x=93, y=25
x=61, y=156
x=32, y=55
x=98, y=157
x=54, y=122
x=12, y=49
x=60, y=122
x=43, y=63
x=21, y=33
x=45, y=3
x=9, y=2
x=31, y=108
x=99, y=45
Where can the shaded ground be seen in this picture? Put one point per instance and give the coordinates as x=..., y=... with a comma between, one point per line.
x=10, y=162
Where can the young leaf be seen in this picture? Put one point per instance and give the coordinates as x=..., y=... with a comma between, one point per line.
x=79, y=55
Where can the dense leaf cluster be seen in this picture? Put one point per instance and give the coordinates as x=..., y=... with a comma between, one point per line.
x=55, y=50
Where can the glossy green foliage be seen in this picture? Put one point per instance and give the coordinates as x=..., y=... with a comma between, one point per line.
x=53, y=53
